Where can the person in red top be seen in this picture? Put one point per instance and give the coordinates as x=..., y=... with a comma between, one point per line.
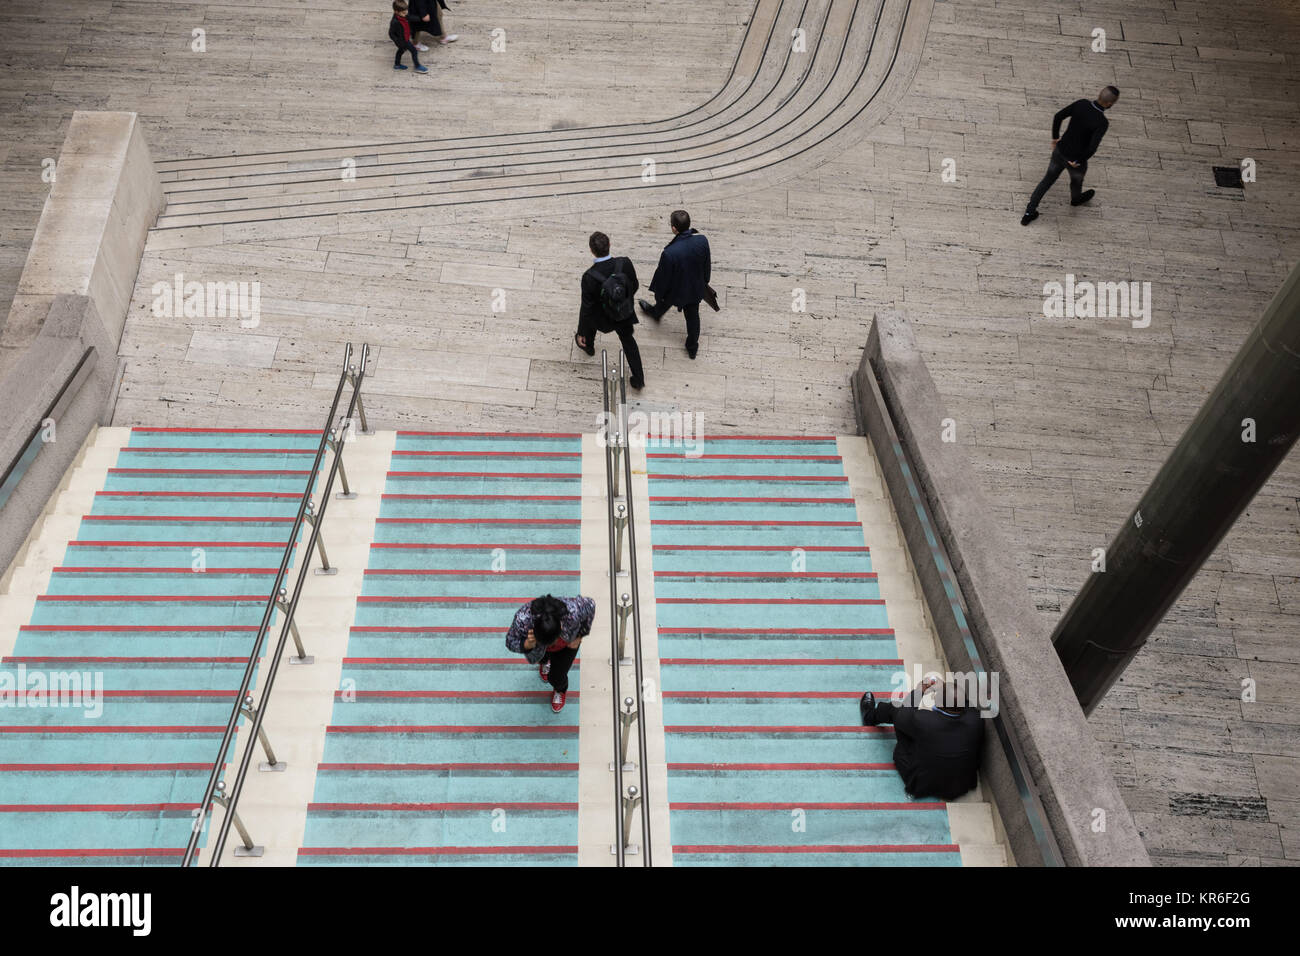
x=399, y=31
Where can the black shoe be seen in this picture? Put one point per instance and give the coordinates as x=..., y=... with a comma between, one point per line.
x=648, y=309
x=1084, y=196
x=691, y=350
x=1028, y=217
x=590, y=350
x=637, y=383
x=867, y=707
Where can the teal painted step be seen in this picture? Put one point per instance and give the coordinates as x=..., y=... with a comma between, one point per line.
x=282, y=483
x=477, y=675
x=774, y=644
x=134, y=675
x=265, y=460
x=184, y=530
x=458, y=858
x=509, y=558
x=460, y=785
x=399, y=612
x=171, y=611
x=488, y=507
x=749, y=712
x=138, y=710
x=232, y=438
x=532, y=710
x=765, y=746
x=814, y=858
x=409, y=441
x=213, y=581
x=749, y=532
x=194, y=505
x=721, y=445
x=681, y=675
x=488, y=584
x=109, y=828
x=114, y=858
x=153, y=746
x=494, y=485
x=719, y=615
x=786, y=786
x=774, y=560
x=551, y=463
x=676, y=465
x=764, y=585
x=472, y=746
x=750, y=487
x=772, y=827
x=495, y=533
x=217, y=557
x=129, y=785
x=387, y=643
x=713, y=509
x=371, y=826
x=135, y=643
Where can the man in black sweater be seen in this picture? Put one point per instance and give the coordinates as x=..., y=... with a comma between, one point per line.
x=607, y=291
x=1072, y=151
x=938, y=751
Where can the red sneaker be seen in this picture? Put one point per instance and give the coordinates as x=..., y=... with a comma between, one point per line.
x=557, y=701
x=544, y=668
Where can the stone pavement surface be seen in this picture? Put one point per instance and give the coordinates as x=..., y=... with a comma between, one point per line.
x=1066, y=419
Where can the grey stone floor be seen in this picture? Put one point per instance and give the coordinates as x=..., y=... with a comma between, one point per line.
x=1065, y=419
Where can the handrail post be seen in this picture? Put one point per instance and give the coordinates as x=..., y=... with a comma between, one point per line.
x=270, y=764
x=312, y=520
x=282, y=606
x=624, y=612
x=336, y=446
x=630, y=803
x=248, y=848
x=353, y=380
x=620, y=525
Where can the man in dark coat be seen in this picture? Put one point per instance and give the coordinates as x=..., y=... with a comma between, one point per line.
x=937, y=751
x=682, y=278
x=425, y=16
x=596, y=315
x=1088, y=124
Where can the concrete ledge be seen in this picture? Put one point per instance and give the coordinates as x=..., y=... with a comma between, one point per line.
x=71, y=327
x=1062, y=758
x=91, y=234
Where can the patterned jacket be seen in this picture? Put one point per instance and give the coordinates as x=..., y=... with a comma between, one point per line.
x=576, y=623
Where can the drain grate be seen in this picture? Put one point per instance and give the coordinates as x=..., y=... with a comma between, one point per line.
x=1228, y=177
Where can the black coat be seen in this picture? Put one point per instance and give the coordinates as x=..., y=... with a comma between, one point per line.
x=396, y=34
x=683, y=273
x=937, y=755
x=592, y=317
x=418, y=9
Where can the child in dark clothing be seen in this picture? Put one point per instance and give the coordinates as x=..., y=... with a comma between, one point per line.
x=400, y=32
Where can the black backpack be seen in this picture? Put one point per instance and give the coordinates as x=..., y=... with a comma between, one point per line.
x=615, y=295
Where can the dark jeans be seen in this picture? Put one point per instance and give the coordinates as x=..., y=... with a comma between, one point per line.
x=402, y=48
x=560, y=662
x=692, y=313
x=1054, y=168
x=884, y=712
x=630, y=349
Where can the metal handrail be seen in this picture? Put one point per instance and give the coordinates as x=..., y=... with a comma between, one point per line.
x=210, y=791
x=71, y=386
x=615, y=431
x=273, y=668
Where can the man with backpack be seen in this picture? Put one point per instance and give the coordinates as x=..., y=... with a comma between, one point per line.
x=608, y=290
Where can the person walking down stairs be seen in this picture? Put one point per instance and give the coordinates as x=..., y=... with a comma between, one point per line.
x=548, y=631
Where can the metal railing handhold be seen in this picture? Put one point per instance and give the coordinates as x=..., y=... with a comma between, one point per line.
x=282, y=605
x=270, y=764
x=247, y=848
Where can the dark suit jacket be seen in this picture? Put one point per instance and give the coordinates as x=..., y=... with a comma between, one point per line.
x=683, y=273
x=937, y=755
x=418, y=9
x=591, y=315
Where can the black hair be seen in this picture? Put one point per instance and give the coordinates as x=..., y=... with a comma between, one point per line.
x=547, y=613
x=599, y=243
x=680, y=220
x=1112, y=92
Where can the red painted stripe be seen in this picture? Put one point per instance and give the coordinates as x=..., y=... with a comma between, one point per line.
x=419, y=767
x=480, y=545
x=807, y=806
x=137, y=627
x=96, y=852
x=449, y=694
x=439, y=807
x=768, y=694
x=384, y=629
x=204, y=471
x=756, y=547
x=766, y=729
x=146, y=570
x=780, y=575
x=837, y=848
x=557, y=729
x=484, y=497
x=132, y=660
x=780, y=766
x=539, y=475
x=100, y=767
x=831, y=458
x=96, y=807
x=435, y=599
x=458, y=572
x=197, y=494
x=131, y=694
x=755, y=437
x=769, y=500
x=510, y=521
x=519, y=435
x=841, y=601
x=489, y=454
x=836, y=479
x=188, y=519
x=431, y=850
x=782, y=662
x=182, y=450
x=228, y=431
x=435, y=661
x=187, y=545
x=120, y=729
x=746, y=631
x=757, y=524
x=167, y=598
